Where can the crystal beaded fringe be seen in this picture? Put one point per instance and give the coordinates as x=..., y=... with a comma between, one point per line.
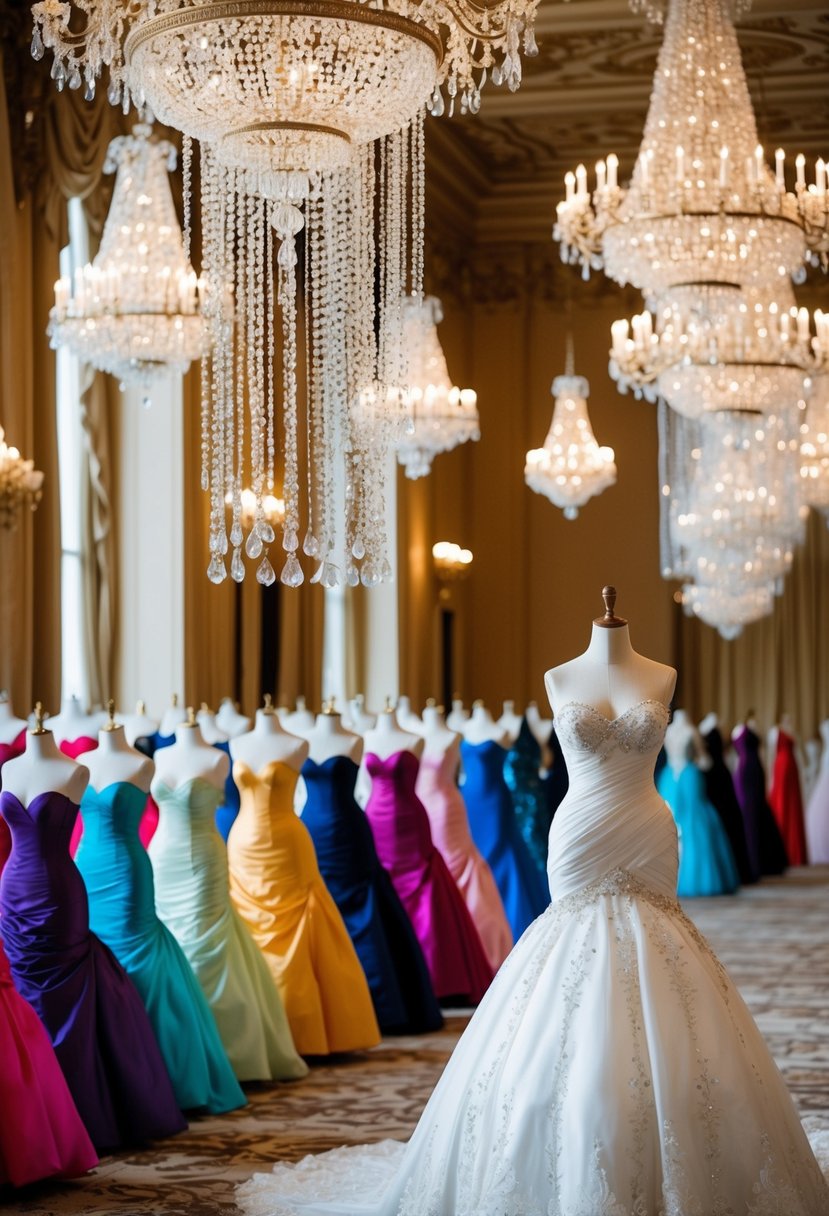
x=340, y=377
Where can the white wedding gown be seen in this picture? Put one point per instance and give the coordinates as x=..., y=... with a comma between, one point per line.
x=612, y=1068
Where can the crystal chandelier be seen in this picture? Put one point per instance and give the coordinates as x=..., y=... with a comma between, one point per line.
x=135, y=310
x=571, y=467
x=309, y=117
x=438, y=415
x=814, y=447
x=20, y=484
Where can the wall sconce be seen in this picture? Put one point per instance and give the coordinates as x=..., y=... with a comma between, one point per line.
x=451, y=561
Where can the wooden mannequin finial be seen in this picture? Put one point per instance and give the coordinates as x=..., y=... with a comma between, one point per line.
x=39, y=728
x=174, y=700
x=110, y=723
x=388, y=708
x=329, y=706
x=268, y=706
x=610, y=620
x=141, y=709
x=431, y=702
x=478, y=703
x=191, y=717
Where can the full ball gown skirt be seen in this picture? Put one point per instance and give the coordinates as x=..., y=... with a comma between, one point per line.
x=766, y=850
x=496, y=832
x=278, y=891
x=41, y=1133
x=91, y=1010
x=454, y=954
x=522, y=765
x=706, y=863
x=119, y=881
x=612, y=1069
x=786, y=800
x=192, y=897
x=719, y=788
x=438, y=791
x=377, y=922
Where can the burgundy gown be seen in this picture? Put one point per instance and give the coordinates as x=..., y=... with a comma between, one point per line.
x=450, y=942
x=89, y=1006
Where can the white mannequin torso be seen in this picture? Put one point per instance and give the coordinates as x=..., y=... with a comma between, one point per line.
x=457, y=716
x=406, y=717
x=268, y=742
x=211, y=732
x=709, y=722
x=71, y=723
x=824, y=735
x=172, y=717
x=437, y=737
x=481, y=728
x=139, y=725
x=230, y=721
x=115, y=761
x=541, y=727
x=510, y=721
x=387, y=737
x=683, y=743
x=330, y=738
x=610, y=676
x=190, y=757
x=43, y=768
x=301, y=721
x=10, y=726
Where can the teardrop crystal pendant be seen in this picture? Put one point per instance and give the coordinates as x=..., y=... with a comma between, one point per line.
x=266, y=532
x=310, y=545
x=265, y=573
x=237, y=566
x=292, y=575
x=236, y=534
x=253, y=545
x=331, y=576
x=352, y=576
x=216, y=570
x=358, y=549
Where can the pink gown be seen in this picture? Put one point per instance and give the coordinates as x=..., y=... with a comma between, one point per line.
x=786, y=801
x=444, y=927
x=437, y=789
x=73, y=748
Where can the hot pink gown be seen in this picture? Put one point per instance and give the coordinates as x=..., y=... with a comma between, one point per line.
x=73, y=748
x=437, y=789
x=444, y=927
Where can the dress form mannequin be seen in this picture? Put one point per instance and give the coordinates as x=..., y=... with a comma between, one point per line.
x=481, y=728
x=301, y=721
x=114, y=760
x=267, y=742
x=437, y=736
x=540, y=727
x=709, y=722
x=71, y=723
x=406, y=716
x=785, y=785
x=510, y=721
x=330, y=738
x=457, y=715
x=209, y=726
x=43, y=768
x=785, y=724
x=229, y=720
x=683, y=743
x=173, y=717
x=610, y=676
x=361, y=719
x=190, y=757
x=388, y=737
x=139, y=725
x=10, y=725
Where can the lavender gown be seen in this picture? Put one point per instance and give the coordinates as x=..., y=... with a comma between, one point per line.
x=90, y=1008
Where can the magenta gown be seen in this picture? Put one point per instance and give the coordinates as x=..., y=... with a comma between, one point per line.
x=73, y=748
x=437, y=789
x=444, y=927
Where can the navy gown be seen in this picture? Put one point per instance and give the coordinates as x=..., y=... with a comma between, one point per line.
x=378, y=925
x=719, y=786
x=766, y=850
x=495, y=831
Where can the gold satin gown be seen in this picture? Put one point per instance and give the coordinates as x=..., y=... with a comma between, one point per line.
x=277, y=888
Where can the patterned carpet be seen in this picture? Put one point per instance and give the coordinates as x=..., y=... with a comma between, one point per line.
x=772, y=938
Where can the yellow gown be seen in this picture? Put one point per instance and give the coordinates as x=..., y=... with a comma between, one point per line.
x=277, y=889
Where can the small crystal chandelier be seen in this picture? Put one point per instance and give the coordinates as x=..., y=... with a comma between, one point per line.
x=814, y=447
x=438, y=415
x=20, y=484
x=571, y=467
x=309, y=118
x=135, y=310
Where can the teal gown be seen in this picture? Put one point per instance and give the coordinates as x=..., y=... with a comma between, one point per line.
x=119, y=882
x=706, y=859
x=192, y=893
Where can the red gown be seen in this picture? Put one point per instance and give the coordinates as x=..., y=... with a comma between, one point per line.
x=786, y=800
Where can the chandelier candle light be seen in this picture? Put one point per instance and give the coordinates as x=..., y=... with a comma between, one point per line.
x=309, y=117
x=135, y=310
x=20, y=484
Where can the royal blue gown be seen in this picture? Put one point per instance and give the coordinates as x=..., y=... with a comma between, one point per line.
x=706, y=860
x=119, y=881
x=377, y=923
x=496, y=832
x=521, y=773
x=228, y=811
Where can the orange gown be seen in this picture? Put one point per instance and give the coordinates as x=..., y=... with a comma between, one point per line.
x=277, y=889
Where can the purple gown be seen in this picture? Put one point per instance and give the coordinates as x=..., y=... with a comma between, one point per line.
x=766, y=850
x=442, y=922
x=90, y=1008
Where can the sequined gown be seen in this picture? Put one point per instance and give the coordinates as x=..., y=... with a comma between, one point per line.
x=521, y=773
x=612, y=1069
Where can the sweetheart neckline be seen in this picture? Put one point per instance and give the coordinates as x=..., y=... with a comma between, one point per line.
x=173, y=789
x=618, y=718
x=257, y=772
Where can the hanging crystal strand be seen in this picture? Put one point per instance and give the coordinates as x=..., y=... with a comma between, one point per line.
x=186, y=187
x=270, y=320
x=418, y=206
x=255, y=342
x=216, y=177
x=287, y=221
x=315, y=291
x=207, y=305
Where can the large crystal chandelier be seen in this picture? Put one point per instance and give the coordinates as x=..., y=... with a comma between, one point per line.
x=310, y=121
x=570, y=468
x=814, y=447
x=438, y=415
x=135, y=310
x=20, y=484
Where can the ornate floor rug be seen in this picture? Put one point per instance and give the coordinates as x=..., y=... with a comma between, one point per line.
x=773, y=938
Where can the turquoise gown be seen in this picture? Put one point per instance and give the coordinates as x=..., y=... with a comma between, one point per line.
x=119, y=882
x=706, y=859
x=192, y=893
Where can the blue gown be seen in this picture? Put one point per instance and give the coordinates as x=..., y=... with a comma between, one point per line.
x=496, y=832
x=227, y=813
x=706, y=860
x=521, y=773
x=377, y=923
x=119, y=882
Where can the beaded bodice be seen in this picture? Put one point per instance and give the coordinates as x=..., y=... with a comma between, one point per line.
x=584, y=729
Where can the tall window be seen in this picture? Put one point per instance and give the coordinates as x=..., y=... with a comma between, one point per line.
x=71, y=466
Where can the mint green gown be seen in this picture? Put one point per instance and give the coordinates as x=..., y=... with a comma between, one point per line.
x=192, y=896
x=119, y=882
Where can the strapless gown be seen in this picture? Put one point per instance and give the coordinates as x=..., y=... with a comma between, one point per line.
x=612, y=1069
x=786, y=800
x=817, y=812
x=376, y=920
x=192, y=897
x=521, y=773
x=278, y=891
x=454, y=954
x=719, y=788
x=496, y=832
x=438, y=791
x=706, y=863
x=90, y=1008
x=149, y=745
x=119, y=883
x=8, y=751
x=74, y=749
x=228, y=810
x=766, y=850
